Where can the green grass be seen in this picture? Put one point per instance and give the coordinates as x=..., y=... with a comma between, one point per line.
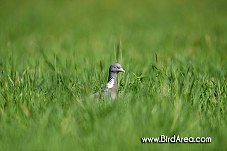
x=55, y=54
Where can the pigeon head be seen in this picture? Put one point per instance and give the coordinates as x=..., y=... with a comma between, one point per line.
x=116, y=68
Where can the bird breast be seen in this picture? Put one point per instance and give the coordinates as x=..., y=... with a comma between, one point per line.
x=110, y=84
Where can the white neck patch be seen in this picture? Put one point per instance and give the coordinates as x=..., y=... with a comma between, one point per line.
x=110, y=84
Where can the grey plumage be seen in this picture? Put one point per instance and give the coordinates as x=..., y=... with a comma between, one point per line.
x=110, y=90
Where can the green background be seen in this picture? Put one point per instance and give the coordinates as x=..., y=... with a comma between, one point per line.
x=55, y=54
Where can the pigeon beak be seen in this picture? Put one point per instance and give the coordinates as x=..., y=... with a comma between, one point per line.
x=121, y=70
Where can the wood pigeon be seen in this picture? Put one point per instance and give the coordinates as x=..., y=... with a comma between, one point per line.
x=111, y=87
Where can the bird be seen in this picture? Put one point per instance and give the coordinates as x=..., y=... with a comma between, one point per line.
x=110, y=90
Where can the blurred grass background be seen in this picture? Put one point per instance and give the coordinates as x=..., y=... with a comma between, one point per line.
x=53, y=54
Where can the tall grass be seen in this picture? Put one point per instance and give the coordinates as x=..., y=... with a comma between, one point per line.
x=54, y=55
